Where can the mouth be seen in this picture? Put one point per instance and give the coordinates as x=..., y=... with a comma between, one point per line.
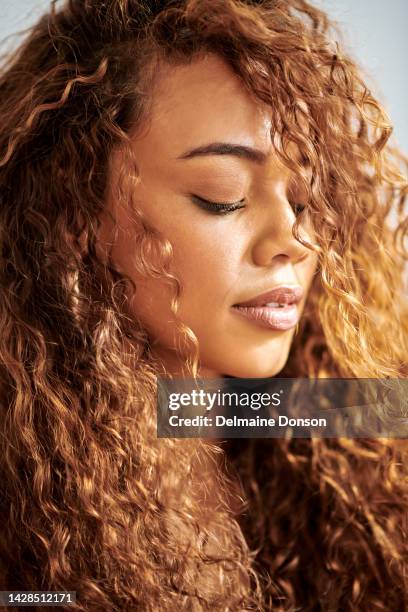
x=278, y=297
x=276, y=309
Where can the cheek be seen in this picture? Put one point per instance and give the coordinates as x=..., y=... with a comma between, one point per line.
x=308, y=270
x=206, y=265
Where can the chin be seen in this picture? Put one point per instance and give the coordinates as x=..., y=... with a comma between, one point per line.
x=245, y=359
x=254, y=370
x=252, y=373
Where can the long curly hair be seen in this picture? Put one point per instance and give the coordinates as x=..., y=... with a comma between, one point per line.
x=92, y=501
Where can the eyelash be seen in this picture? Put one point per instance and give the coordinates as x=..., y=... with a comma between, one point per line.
x=218, y=208
x=222, y=208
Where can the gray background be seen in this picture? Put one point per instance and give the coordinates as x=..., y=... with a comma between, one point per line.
x=375, y=32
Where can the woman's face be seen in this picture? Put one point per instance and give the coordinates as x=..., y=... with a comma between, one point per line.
x=220, y=259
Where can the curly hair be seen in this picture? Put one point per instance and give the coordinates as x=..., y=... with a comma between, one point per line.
x=92, y=500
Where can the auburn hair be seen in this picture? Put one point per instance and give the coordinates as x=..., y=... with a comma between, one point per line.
x=92, y=501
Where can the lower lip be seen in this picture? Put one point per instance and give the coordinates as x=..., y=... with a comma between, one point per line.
x=268, y=317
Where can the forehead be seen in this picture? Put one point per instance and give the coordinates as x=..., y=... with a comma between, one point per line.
x=201, y=102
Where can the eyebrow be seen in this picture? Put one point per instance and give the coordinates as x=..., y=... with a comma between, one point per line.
x=226, y=148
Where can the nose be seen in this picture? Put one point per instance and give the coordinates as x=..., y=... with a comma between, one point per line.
x=274, y=239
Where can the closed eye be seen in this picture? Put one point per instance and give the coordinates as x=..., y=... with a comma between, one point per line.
x=217, y=207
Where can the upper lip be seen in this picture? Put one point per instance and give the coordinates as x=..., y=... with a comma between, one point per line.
x=283, y=294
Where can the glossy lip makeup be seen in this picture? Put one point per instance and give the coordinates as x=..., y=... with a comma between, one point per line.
x=275, y=310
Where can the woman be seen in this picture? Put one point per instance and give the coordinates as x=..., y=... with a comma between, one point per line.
x=162, y=164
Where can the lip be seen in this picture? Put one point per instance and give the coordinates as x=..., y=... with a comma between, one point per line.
x=284, y=294
x=280, y=318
